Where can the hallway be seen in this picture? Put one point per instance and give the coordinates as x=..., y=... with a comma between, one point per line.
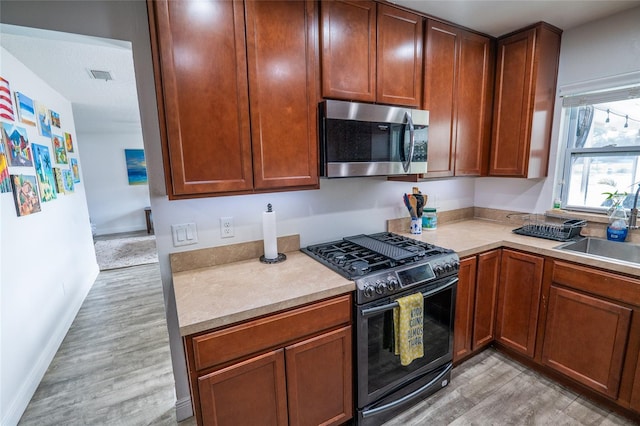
x=114, y=365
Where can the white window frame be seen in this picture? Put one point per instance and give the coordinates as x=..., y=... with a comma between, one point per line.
x=588, y=93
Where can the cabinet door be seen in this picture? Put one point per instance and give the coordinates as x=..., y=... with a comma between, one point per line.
x=635, y=393
x=440, y=96
x=319, y=379
x=399, y=57
x=203, y=95
x=248, y=393
x=465, y=297
x=486, y=298
x=282, y=63
x=518, y=301
x=473, y=107
x=348, y=50
x=585, y=339
x=512, y=107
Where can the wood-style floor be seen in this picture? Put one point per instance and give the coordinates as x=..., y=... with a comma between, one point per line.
x=114, y=368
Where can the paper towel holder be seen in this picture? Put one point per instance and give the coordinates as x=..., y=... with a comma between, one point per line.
x=280, y=257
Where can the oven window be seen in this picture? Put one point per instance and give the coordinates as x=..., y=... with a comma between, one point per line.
x=384, y=366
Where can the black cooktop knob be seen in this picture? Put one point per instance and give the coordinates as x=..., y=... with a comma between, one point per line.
x=368, y=290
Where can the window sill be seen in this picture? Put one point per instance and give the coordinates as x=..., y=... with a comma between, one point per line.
x=589, y=217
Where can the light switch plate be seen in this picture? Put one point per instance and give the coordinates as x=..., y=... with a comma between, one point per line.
x=184, y=234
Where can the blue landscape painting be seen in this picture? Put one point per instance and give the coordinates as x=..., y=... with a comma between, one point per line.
x=136, y=166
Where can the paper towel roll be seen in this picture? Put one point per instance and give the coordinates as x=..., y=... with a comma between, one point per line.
x=269, y=234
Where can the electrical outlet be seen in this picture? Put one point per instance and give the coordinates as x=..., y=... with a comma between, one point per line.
x=226, y=227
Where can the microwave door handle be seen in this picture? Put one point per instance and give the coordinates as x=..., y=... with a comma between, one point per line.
x=407, y=163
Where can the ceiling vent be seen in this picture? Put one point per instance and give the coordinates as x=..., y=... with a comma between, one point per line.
x=101, y=75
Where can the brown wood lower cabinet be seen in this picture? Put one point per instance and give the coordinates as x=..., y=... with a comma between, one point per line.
x=635, y=395
x=465, y=297
x=289, y=368
x=486, y=298
x=319, y=379
x=250, y=393
x=585, y=339
x=519, y=301
x=475, y=303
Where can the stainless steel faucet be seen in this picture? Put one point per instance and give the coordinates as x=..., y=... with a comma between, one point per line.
x=634, y=211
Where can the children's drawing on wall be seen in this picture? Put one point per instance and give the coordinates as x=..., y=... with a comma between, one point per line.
x=75, y=170
x=44, y=120
x=55, y=118
x=5, y=180
x=44, y=171
x=68, y=142
x=57, y=174
x=26, y=110
x=25, y=194
x=136, y=166
x=6, y=105
x=67, y=181
x=16, y=145
x=59, y=151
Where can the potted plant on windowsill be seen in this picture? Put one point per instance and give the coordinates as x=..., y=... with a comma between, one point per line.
x=618, y=221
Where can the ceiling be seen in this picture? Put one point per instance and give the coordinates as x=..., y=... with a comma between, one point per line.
x=64, y=60
x=497, y=18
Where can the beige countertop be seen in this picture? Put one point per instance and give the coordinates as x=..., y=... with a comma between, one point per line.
x=208, y=298
x=216, y=296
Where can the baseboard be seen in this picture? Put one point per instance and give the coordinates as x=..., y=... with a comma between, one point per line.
x=32, y=381
x=120, y=229
x=184, y=409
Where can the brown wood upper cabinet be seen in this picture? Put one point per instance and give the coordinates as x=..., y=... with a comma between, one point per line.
x=526, y=74
x=237, y=93
x=371, y=52
x=459, y=73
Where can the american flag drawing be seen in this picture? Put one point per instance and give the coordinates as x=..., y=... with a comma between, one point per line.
x=6, y=106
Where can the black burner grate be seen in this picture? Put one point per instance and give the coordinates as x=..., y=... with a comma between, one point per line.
x=392, y=252
x=361, y=255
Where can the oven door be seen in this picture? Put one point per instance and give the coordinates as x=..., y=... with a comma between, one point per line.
x=379, y=372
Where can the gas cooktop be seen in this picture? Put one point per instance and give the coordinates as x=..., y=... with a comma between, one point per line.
x=359, y=255
x=385, y=263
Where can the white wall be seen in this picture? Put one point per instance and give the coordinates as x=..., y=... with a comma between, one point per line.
x=114, y=205
x=47, y=266
x=602, y=49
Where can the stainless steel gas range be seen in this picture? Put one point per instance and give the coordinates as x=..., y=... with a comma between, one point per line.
x=385, y=267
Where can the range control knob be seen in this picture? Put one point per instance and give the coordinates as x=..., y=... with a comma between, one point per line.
x=381, y=286
x=368, y=290
x=438, y=270
x=392, y=283
x=456, y=265
x=448, y=267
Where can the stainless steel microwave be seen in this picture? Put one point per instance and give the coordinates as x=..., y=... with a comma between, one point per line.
x=358, y=139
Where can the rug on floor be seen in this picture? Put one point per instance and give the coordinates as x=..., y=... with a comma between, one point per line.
x=124, y=252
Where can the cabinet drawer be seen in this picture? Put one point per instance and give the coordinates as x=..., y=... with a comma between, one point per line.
x=601, y=283
x=276, y=330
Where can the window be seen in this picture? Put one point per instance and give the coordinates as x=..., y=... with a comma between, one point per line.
x=603, y=149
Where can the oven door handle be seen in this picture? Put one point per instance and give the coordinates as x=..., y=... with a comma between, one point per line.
x=377, y=309
x=415, y=393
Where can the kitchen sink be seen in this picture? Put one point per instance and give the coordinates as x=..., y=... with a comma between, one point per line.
x=600, y=247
